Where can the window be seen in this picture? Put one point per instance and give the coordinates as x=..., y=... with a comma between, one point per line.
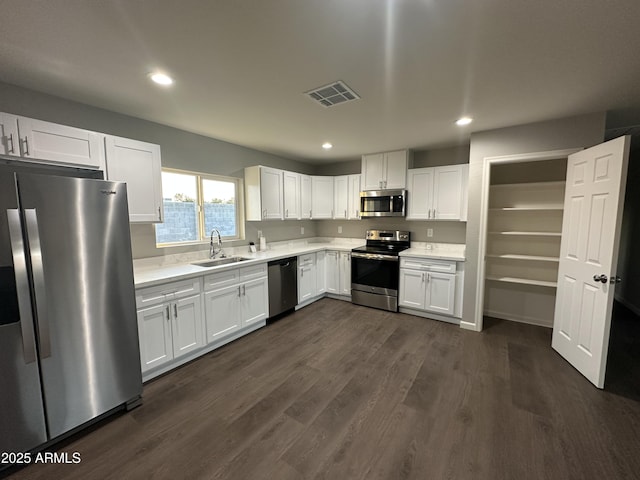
x=195, y=204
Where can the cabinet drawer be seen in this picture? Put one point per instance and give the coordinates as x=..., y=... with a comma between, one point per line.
x=214, y=281
x=308, y=259
x=146, y=297
x=428, y=265
x=254, y=271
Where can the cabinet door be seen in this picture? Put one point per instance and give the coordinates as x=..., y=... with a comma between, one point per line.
x=372, y=171
x=139, y=165
x=306, y=282
x=321, y=272
x=412, y=289
x=222, y=312
x=341, y=196
x=305, y=196
x=420, y=194
x=333, y=272
x=291, y=186
x=9, y=140
x=321, y=197
x=61, y=144
x=154, y=332
x=447, y=192
x=353, y=203
x=271, y=194
x=396, y=169
x=345, y=273
x=441, y=289
x=187, y=325
x=254, y=302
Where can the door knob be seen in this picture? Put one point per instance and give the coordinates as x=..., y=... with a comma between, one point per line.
x=616, y=279
x=600, y=278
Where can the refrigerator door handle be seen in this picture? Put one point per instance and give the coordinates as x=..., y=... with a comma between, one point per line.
x=22, y=285
x=38, y=282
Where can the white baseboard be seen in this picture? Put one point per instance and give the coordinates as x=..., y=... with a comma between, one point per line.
x=540, y=322
x=469, y=326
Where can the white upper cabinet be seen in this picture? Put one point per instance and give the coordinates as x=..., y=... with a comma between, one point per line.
x=385, y=170
x=321, y=197
x=419, y=193
x=437, y=193
x=139, y=165
x=37, y=140
x=9, y=139
x=264, y=196
x=291, y=188
x=353, y=202
x=305, y=196
x=341, y=197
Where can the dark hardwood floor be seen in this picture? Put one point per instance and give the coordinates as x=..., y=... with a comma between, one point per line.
x=344, y=392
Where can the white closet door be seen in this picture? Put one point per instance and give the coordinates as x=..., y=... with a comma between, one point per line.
x=588, y=255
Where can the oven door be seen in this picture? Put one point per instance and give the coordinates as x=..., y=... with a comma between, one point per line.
x=375, y=273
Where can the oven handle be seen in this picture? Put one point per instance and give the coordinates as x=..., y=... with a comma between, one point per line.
x=374, y=256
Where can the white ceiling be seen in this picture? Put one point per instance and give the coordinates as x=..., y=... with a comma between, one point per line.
x=241, y=66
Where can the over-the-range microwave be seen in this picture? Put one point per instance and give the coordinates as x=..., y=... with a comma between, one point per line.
x=382, y=203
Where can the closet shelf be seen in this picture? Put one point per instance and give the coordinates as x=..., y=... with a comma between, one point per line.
x=528, y=234
x=524, y=281
x=535, y=258
x=529, y=208
x=532, y=185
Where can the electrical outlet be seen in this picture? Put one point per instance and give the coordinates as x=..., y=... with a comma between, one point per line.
x=259, y=233
x=301, y=230
x=429, y=232
x=339, y=229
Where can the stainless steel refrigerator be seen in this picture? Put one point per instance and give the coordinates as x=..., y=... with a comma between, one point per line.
x=68, y=334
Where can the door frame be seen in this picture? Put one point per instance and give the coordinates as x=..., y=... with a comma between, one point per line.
x=487, y=163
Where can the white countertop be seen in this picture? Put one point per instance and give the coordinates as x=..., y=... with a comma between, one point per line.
x=442, y=251
x=158, y=270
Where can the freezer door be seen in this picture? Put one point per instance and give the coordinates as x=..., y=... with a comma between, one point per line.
x=22, y=421
x=80, y=253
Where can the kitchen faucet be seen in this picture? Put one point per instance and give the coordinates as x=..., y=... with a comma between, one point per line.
x=217, y=248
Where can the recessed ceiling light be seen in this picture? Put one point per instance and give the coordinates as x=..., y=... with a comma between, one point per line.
x=464, y=121
x=162, y=79
x=327, y=146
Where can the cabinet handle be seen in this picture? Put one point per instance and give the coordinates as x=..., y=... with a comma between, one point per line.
x=301, y=273
x=434, y=213
x=10, y=139
x=345, y=214
x=168, y=314
x=239, y=291
x=159, y=214
x=26, y=145
x=264, y=213
x=175, y=310
x=244, y=290
x=422, y=277
x=286, y=213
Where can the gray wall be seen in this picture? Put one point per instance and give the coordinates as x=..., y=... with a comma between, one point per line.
x=574, y=132
x=180, y=149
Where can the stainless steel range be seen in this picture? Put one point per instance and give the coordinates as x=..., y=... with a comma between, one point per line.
x=375, y=269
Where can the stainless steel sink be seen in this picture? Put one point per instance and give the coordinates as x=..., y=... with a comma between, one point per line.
x=216, y=262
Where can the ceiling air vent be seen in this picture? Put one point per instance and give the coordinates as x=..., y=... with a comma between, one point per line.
x=333, y=94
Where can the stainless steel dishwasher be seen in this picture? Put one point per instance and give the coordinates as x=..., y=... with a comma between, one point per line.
x=283, y=285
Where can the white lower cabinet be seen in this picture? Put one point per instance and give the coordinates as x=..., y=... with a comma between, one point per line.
x=338, y=272
x=429, y=285
x=169, y=322
x=237, y=299
x=321, y=272
x=344, y=275
x=307, y=281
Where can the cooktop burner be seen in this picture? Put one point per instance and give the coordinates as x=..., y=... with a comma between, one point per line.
x=386, y=242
